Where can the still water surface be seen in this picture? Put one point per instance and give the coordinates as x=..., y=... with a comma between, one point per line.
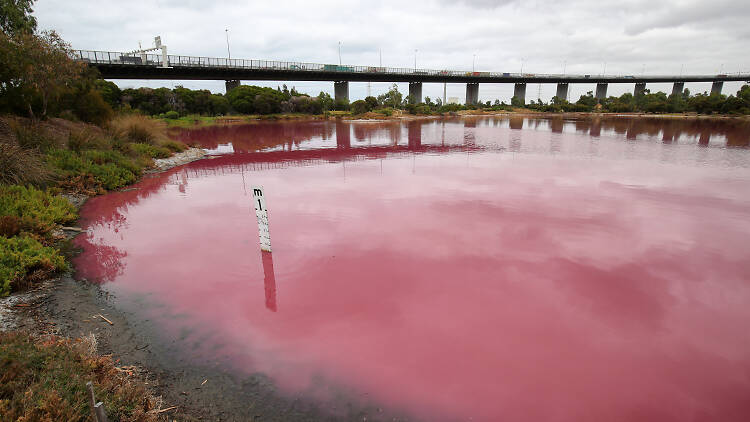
x=480, y=269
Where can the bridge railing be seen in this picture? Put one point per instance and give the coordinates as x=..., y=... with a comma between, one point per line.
x=116, y=57
x=154, y=60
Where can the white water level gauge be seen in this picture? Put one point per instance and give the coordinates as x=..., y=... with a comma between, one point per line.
x=261, y=214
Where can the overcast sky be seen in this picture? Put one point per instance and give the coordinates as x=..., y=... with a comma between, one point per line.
x=543, y=36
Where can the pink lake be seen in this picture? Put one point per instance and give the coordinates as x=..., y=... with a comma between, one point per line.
x=482, y=269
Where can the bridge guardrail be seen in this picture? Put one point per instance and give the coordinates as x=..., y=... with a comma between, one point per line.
x=115, y=57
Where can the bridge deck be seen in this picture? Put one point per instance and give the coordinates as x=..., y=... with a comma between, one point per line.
x=118, y=65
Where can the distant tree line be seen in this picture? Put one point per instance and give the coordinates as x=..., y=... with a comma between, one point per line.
x=657, y=102
x=248, y=99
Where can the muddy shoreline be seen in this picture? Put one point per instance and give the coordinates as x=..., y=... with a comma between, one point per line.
x=200, y=390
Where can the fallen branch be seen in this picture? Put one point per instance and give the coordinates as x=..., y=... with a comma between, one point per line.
x=104, y=318
x=167, y=409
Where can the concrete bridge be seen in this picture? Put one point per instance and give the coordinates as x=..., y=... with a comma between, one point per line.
x=118, y=65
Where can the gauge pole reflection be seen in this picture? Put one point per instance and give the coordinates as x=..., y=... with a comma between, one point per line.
x=269, y=280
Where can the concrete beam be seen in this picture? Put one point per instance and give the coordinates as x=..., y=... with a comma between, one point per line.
x=472, y=93
x=678, y=88
x=640, y=89
x=519, y=91
x=601, y=91
x=716, y=87
x=341, y=90
x=415, y=92
x=230, y=85
x=562, y=91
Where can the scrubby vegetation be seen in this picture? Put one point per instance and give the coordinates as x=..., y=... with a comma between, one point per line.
x=45, y=380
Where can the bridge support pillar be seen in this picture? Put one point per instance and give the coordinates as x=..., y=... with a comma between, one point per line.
x=230, y=85
x=716, y=87
x=601, y=91
x=562, y=91
x=640, y=89
x=415, y=92
x=341, y=90
x=472, y=93
x=678, y=88
x=519, y=92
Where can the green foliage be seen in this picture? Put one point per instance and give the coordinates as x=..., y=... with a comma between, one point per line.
x=109, y=92
x=372, y=103
x=249, y=99
x=149, y=150
x=384, y=111
x=360, y=107
x=37, y=71
x=392, y=98
x=108, y=169
x=15, y=17
x=38, y=210
x=171, y=114
x=175, y=146
x=23, y=258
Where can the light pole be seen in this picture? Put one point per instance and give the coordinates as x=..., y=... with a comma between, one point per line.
x=229, y=54
x=339, y=53
x=604, y=70
x=681, y=67
x=565, y=64
x=415, y=60
x=522, y=60
x=473, y=63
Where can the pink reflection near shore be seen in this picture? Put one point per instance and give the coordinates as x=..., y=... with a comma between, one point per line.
x=457, y=280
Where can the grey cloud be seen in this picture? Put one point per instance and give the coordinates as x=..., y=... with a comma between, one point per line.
x=695, y=13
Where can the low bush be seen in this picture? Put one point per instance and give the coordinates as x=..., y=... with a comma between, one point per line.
x=384, y=111
x=24, y=260
x=149, y=150
x=175, y=146
x=35, y=210
x=45, y=380
x=171, y=114
x=110, y=169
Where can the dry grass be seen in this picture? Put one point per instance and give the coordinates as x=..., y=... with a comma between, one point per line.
x=45, y=380
x=21, y=166
x=137, y=128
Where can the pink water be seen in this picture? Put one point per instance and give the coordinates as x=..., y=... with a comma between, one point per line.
x=489, y=269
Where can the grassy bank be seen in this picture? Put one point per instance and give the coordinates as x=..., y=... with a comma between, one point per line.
x=43, y=159
x=45, y=380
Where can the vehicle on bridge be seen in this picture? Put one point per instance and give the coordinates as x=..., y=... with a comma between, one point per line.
x=337, y=68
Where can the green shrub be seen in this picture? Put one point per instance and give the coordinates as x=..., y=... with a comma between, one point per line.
x=149, y=150
x=172, y=115
x=38, y=210
x=23, y=259
x=175, y=146
x=385, y=111
x=110, y=169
